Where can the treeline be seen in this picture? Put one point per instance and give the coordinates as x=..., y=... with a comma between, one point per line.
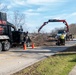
x=72, y=29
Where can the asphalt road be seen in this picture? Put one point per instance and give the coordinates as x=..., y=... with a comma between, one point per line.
x=17, y=58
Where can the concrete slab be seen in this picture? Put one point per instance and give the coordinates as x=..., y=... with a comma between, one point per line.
x=73, y=72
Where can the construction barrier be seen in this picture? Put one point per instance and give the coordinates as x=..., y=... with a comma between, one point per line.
x=24, y=46
x=32, y=45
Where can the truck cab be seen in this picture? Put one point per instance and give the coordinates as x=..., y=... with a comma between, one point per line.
x=9, y=35
x=61, y=32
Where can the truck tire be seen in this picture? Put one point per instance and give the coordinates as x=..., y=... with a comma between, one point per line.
x=6, y=46
x=0, y=47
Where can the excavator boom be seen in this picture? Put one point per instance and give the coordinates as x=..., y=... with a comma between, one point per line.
x=54, y=20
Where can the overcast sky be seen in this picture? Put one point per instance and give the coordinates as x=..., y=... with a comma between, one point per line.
x=39, y=11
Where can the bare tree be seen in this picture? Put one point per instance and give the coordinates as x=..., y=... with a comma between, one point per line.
x=18, y=19
x=3, y=7
x=72, y=28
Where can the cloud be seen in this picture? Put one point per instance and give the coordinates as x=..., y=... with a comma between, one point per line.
x=62, y=16
x=14, y=3
x=42, y=2
x=70, y=17
x=2, y=5
x=33, y=2
x=42, y=9
x=43, y=5
x=19, y=2
x=31, y=12
x=59, y=16
x=9, y=7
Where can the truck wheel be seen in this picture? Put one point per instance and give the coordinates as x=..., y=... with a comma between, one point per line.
x=0, y=47
x=6, y=46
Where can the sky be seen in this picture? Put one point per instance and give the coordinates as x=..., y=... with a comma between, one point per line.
x=39, y=11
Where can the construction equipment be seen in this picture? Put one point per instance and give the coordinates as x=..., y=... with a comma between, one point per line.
x=54, y=20
x=9, y=35
x=61, y=31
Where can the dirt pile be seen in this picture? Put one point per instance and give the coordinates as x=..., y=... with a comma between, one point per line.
x=43, y=40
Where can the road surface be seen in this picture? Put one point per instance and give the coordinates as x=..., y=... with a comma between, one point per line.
x=17, y=58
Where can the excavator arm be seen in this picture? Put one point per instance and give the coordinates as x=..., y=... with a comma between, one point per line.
x=54, y=20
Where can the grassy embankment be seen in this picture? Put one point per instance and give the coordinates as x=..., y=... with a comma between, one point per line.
x=59, y=64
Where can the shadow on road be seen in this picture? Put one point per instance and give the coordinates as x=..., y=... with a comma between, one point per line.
x=43, y=50
x=71, y=49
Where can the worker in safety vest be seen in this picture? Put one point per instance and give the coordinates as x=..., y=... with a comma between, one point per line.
x=62, y=39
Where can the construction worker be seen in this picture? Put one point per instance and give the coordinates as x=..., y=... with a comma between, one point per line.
x=27, y=39
x=62, y=39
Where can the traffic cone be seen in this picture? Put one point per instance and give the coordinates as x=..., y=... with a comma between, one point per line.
x=32, y=45
x=24, y=46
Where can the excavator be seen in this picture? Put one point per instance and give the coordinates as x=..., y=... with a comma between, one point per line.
x=60, y=31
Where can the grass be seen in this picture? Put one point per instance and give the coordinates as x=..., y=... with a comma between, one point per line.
x=59, y=64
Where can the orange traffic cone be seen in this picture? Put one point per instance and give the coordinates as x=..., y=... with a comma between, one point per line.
x=24, y=46
x=32, y=45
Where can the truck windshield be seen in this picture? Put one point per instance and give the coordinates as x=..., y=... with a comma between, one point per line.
x=61, y=31
x=3, y=29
